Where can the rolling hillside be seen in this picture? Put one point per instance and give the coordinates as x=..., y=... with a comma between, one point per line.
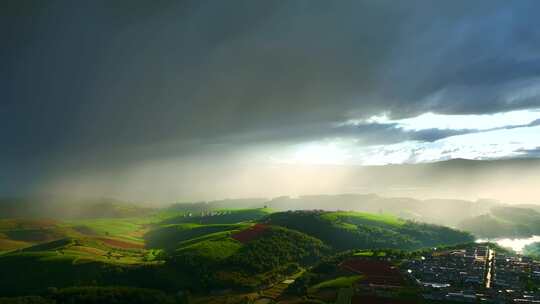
x=240, y=250
x=73, y=262
x=171, y=236
x=229, y=259
x=350, y=230
x=21, y=233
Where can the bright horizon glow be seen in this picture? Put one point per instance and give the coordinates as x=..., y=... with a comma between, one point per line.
x=321, y=154
x=517, y=244
x=494, y=144
x=318, y=153
x=431, y=120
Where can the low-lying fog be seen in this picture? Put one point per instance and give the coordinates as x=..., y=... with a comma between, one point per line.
x=516, y=244
x=196, y=179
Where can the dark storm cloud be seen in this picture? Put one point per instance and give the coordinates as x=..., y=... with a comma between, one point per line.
x=101, y=82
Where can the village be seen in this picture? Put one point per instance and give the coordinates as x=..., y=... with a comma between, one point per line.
x=477, y=274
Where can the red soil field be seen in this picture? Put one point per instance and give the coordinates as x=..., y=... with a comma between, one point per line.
x=376, y=272
x=250, y=234
x=121, y=244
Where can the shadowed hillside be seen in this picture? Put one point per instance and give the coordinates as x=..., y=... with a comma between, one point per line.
x=347, y=230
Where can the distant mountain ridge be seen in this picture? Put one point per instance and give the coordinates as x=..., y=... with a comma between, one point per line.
x=504, y=222
x=442, y=211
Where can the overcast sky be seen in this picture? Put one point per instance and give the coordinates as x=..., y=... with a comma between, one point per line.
x=108, y=89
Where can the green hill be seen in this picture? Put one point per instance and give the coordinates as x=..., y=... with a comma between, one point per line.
x=240, y=250
x=180, y=256
x=234, y=253
x=170, y=236
x=532, y=250
x=220, y=260
x=70, y=262
x=354, y=230
x=21, y=233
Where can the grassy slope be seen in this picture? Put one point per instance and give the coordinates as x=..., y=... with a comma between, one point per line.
x=211, y=248
x=21, y=233
x=203, y=236
x=85, y=255
x=203, y=254
x=170, y=236
x=81, y=250
x=348, y=230
x=364, y=218
x=131, y=229
x=74, y=262
x=220, y=261
x=77, y=252
x=340, y=282
x=67, y=250
x=217, y=246
x=17, y=234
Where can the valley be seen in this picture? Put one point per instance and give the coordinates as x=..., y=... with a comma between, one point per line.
x=202, y=253
x=218, y=252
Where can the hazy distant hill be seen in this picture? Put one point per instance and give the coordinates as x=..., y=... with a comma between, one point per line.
x=239, y=249
x=510, y=180
x=440, y=211
x=504, y=221
x=218, y=204
x=220, y=216
x=61, y=208
x=507, y=180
